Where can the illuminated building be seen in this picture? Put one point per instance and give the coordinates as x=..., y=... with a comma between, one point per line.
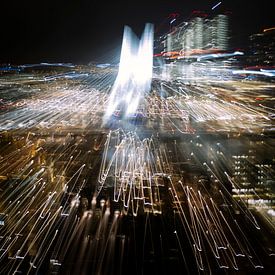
x=253, y=179
x=262, y=48
x=197, y=36
x=243, y=174
x=220, y=32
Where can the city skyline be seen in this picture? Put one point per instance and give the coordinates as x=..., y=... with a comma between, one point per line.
x=152, y=155
x=84, y=31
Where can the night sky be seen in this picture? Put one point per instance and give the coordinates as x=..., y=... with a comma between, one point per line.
x=81, y=31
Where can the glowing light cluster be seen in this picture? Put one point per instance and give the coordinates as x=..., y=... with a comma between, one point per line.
x=135, y=168
x=135, y=72
x=68, y=107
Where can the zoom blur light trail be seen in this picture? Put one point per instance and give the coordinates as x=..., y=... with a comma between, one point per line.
x=134, y=75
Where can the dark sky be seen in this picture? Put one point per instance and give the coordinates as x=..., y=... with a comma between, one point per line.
x=84, y=30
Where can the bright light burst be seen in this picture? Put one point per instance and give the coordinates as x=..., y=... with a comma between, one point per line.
x=134, y=74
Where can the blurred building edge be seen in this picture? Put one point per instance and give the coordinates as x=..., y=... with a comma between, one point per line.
x=262, y=48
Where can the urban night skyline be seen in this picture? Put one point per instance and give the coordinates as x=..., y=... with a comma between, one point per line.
x=137, y=137
x=87, y=30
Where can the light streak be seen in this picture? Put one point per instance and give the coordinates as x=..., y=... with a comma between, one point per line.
x=134, y=75
x=215, y=6
x=262, y=72
x=55, y=150
x=134, y=168
x=172, y=21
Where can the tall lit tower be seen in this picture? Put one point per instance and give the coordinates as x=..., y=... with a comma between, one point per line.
x=198, y=33
x=221, y=32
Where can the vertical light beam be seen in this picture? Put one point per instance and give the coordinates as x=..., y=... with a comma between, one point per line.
x=134, y=75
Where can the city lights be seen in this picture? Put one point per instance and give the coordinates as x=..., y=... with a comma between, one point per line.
x=161, y=164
